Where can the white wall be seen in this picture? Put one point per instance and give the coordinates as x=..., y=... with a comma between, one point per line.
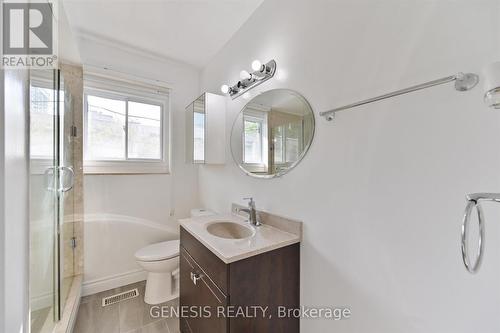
x=148, y=197
x=381, y=191
x=14, y=210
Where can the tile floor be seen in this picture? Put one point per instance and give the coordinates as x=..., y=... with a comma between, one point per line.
x=130, y=316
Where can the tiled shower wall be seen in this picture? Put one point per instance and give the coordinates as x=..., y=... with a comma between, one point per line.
x=73, y=80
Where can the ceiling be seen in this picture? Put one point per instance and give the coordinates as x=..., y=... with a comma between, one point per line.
x=191, y=31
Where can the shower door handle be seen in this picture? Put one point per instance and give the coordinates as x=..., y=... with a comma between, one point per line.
x=49, y=173
x=62, y=170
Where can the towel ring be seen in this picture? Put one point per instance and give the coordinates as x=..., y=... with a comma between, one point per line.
x=473, y=268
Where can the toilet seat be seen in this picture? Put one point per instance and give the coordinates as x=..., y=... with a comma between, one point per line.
x=159, y=251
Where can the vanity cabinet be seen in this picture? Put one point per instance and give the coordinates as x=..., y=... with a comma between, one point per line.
x=270, y=279
x=206, y=130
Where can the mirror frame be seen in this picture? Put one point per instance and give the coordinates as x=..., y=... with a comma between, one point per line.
x=302, y=155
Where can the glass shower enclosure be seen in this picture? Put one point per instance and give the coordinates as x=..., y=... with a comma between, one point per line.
x=51, y=198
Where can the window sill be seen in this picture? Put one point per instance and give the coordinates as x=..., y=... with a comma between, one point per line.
x=124, y=168
x=255, y=167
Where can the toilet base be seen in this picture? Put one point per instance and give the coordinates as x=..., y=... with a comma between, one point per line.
x=160, y=288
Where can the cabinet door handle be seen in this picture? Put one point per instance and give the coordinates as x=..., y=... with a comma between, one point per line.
x=195, y=277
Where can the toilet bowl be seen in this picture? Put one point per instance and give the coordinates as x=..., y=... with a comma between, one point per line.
x=161, y=261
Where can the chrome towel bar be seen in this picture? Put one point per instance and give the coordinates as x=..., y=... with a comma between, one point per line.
x=463, y=82
x=474, y=201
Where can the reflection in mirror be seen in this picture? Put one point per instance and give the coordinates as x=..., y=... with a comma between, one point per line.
x=272, y=133
x=199, y=130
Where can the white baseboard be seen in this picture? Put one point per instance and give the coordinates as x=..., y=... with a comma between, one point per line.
x=114, y=281
x=42, y=301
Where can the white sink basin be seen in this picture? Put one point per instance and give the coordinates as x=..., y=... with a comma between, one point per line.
x=229, y=230
x=231, y=238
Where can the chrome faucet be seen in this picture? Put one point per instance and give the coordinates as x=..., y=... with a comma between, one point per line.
x=253, y=216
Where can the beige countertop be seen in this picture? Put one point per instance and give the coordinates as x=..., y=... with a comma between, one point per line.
x=263, y=239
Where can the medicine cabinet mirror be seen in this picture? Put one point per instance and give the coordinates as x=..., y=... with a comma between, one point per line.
x=206, y=130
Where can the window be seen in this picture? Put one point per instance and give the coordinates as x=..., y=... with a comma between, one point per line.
x=42, y=122
x=144, y=129
x=253, y=141
x=43, y=125
x=105, y=128
x=126, y=131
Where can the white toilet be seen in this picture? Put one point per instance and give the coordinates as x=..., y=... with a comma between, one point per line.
x=161, y=261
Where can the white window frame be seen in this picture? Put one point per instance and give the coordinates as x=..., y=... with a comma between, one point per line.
x=261, y=118
x=108, y=89
x=259, y=121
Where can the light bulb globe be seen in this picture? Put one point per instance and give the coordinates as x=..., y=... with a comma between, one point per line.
x=244, y=75
x=256, y=65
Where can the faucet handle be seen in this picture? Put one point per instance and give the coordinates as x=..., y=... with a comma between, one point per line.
x=250, y=201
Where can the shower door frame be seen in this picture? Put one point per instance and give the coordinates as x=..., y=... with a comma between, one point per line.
x=53, y=175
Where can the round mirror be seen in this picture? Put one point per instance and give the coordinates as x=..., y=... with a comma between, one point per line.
x=272, y=133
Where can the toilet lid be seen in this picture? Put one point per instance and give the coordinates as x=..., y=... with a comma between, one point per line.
x=159, y=251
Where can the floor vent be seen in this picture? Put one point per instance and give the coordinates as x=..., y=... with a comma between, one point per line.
x=120, y=297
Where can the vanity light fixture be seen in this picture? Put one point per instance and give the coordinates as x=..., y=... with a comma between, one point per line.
x=261, y=73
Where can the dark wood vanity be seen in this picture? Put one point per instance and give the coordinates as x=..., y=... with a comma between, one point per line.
x=225, y=297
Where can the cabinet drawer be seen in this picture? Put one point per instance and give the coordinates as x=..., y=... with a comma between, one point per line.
x=215, y=268
x=200, y=293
